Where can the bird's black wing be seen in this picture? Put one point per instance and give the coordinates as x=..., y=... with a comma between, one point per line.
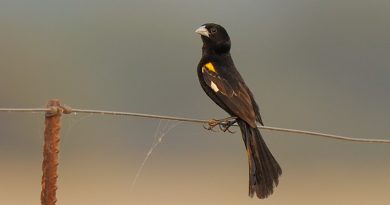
x=233, y=93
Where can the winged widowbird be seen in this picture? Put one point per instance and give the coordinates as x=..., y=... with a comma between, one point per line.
x=222, y=82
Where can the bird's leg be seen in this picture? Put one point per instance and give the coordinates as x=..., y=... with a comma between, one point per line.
x=226, y=123
x=211, y=124
x=223, y=124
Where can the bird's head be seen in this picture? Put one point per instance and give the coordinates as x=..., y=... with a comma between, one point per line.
x=214, y=37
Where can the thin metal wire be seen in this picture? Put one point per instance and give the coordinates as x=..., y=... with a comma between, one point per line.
x=182, y=119
x=331, y=136
x=24, y=109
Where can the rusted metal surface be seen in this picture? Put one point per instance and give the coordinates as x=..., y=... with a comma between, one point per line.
x=50, y=153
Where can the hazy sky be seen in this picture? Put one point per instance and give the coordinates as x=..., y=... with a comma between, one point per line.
x=314, y=65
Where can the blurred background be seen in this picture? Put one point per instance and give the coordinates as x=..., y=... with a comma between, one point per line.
x=313, y=65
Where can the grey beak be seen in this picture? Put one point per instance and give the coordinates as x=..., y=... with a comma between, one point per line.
x=203, y=31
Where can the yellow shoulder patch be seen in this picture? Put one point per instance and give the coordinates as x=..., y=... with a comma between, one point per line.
x=209, y=66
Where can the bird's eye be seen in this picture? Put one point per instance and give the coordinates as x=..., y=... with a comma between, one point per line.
x=213, y=30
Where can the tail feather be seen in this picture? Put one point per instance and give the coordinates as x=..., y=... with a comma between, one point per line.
x=264, y=170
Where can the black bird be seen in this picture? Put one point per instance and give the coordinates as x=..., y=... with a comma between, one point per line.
x=221, y=81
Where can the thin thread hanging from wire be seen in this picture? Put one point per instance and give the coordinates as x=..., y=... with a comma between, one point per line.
x=158, y=136
x=146, y=158
x=68, y=110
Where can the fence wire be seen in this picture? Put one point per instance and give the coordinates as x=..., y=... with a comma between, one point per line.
x=68, y=110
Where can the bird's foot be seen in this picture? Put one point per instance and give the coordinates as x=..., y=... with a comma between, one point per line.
x=227, y=123
x=223, y=124
x=211, y=124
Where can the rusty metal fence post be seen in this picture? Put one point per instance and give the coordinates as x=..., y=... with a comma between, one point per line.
x=50, y=153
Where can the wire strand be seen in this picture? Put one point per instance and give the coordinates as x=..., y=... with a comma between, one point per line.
x=182, y=119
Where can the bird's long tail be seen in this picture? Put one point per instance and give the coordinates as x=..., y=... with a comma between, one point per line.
x=264, y=170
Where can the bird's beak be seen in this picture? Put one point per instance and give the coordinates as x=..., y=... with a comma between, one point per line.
x=203, y=31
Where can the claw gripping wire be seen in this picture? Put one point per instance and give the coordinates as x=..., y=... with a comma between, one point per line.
x=223, y=124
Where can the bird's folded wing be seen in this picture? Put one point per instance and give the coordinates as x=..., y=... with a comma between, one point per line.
x=233, y=94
